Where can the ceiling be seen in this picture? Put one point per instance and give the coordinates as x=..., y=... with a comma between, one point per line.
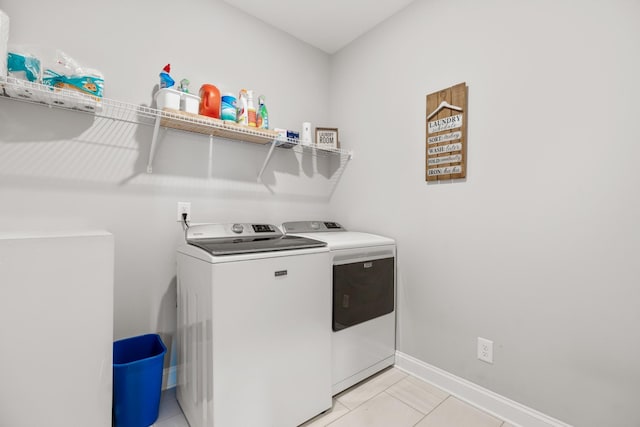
x=326, y=24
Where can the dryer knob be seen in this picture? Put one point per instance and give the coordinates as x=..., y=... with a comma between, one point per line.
x=237, y=228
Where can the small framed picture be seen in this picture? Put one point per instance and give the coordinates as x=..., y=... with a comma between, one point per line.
x=327, y=138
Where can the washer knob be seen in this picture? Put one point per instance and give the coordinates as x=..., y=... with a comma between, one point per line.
x=315, y=225
x=237, y=228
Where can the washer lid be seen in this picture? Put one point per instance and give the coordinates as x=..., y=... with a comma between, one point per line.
x=231, y=239
x=255, y=245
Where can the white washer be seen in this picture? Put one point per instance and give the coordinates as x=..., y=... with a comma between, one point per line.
x=363, y=299
x=253, y=309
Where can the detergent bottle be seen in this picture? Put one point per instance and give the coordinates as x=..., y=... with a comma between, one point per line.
x=229, y=109
x=209, y=101
x=242, y=117
x=165, y=79
x=262, y=120
x=251, y=109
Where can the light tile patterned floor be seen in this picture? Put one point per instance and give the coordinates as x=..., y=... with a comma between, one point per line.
x=170, y=413
x=391, y=398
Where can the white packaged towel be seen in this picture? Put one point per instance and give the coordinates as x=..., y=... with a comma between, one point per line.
x=4, y=41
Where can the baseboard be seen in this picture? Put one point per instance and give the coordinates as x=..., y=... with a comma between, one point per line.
x=169, y=376
x=490, y=402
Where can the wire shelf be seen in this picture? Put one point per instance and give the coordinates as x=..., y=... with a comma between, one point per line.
x=37, y=93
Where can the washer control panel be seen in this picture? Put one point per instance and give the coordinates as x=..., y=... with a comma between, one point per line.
x=263, y=228
x=235, y=230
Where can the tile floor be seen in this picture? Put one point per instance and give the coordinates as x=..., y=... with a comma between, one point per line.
x=391, y=398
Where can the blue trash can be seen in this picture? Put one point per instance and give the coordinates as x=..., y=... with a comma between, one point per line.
x=137, y=380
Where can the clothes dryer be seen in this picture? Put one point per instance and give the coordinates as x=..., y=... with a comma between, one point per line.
x=363, y=299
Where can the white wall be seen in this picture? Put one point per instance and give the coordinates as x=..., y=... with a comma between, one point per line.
x=537, y=249
x=60, y=169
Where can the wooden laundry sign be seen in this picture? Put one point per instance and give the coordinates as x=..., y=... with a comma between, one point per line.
x=446, y=145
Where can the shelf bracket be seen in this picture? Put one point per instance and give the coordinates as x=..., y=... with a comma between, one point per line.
x=154, y=141
x=266, y=161
x=210, y=171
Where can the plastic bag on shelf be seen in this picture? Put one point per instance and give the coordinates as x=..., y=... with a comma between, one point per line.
x=64, y=72
x=24, y=72
x=23, y=66
x=50, y=76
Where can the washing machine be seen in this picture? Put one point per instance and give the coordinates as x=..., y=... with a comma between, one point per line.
x=363, y=299
x=254, y=346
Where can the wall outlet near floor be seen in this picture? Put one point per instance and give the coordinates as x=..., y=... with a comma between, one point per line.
x=485, y=350
x=184, y=207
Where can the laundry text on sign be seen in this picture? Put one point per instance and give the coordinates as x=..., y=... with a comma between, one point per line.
x=444, y=138
x=447, y=123
x=445, y=148
x=445, y=159
x=444, y=171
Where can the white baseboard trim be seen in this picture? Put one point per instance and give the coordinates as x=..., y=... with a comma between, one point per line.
x=486, y=400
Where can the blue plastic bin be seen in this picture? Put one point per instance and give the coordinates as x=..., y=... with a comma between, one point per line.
x=137, y=380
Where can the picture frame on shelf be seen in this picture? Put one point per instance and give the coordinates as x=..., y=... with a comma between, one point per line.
x=327, y=138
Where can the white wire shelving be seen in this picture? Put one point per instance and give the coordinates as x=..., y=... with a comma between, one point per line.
x=25, y=91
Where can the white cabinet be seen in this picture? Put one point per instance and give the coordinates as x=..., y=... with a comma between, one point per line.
x=56, y=329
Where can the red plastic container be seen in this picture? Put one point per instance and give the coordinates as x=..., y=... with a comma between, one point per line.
x=209, y=101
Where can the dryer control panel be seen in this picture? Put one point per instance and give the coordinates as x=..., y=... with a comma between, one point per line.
x=311, y=226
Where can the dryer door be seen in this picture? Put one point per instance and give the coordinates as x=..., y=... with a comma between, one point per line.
x=362, y=291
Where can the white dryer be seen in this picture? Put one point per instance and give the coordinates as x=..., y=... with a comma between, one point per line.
x=363, y=317
x=253, y=336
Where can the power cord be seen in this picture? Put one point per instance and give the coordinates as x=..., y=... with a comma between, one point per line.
x=184, y=220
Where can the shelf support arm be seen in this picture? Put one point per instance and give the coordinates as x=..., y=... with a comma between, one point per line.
x=154, y=141
x=210, y=171
x=266, y=161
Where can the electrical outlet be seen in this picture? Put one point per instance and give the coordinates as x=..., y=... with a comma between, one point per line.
x=485, y=350
x=184, y=207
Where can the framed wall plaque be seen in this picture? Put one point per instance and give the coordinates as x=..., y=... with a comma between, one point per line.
x=446, y=134
x=327, y=138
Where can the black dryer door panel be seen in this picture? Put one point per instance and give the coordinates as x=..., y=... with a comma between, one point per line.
x=362, y=291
